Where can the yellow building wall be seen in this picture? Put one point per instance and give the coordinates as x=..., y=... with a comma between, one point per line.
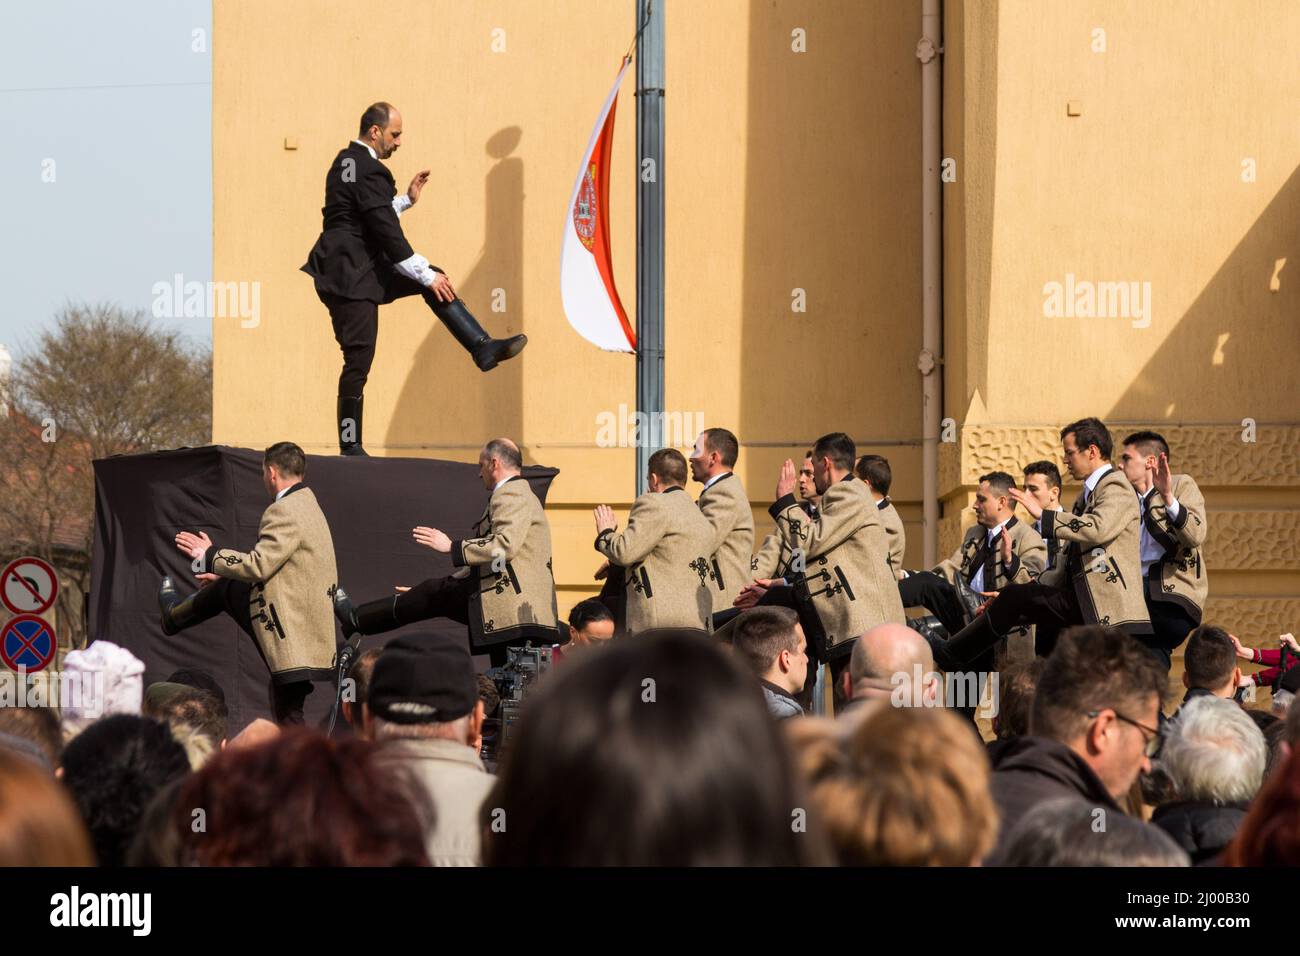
x=784, y=170
x=1179, y=170
x=799, y=171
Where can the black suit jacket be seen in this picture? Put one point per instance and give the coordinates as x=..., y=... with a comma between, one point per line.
x=361, y=237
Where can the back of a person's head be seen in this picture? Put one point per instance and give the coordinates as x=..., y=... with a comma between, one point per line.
x=1270, y=834
x=1071, y=831
x=889, y=653
x=198, y=745
x=39, y=824
x=1214, y=752
x=1209, y=658
x=668, y=465
x=761, y=634
x=363, y=669
x=1092, y=668
x=1017, y=685
x=157, y=842
x=900, y=786
x=199, y=679
x=668, y=758
x=113, y=768
x=301, y=799
x=38, y=726
x=201, y=710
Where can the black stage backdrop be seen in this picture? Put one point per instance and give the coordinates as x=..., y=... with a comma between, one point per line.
x=372, y=504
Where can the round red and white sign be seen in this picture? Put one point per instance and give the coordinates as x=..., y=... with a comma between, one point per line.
x=28, y=586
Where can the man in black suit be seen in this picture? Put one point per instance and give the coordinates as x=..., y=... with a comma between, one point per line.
x=362, y=261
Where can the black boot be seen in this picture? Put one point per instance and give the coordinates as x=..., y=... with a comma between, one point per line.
x=345, y=612
x=373, y=617
x=177, y=614
x=966, y=645
x=349, y=419
x=485, y=350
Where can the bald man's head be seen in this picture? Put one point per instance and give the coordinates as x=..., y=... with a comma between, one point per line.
x=381, y=128
x=500, y=458
x=887, y=656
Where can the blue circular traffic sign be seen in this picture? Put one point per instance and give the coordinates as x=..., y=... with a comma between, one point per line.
x=27, y=642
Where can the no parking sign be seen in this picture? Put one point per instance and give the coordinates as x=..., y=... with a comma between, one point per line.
x=27, y=643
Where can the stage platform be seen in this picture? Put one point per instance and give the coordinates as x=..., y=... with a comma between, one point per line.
x=372, y=504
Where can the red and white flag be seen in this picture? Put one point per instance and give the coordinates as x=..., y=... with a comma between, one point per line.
x=586, y=270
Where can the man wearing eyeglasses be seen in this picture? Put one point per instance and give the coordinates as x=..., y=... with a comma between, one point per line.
x=1093, y=727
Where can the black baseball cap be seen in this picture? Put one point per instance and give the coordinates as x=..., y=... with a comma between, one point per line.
x=423, y=680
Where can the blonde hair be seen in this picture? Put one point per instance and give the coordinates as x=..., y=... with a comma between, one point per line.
x=199, y=746
x=902, y=786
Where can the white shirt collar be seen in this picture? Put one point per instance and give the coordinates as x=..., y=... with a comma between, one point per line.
x=1097, y=476
x=281, y=493
x=721, y=474
x=502, y=481
x=991, y=532
x=370, y=149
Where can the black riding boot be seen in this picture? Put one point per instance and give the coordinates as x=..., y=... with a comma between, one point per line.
x=373, y=617
x=966, y=645
x=485, y=350
x=177, y=615
x=349, y=419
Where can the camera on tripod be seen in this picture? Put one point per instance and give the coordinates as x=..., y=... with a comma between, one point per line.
x=514, y=680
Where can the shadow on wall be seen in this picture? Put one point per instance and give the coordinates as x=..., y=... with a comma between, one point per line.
x=1232, y=354
x=833, y=207
x=445, y=397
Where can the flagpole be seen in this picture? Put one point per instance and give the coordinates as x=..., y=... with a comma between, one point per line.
x=649, y=233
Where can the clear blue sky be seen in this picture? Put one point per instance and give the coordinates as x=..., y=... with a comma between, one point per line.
x=115, y=95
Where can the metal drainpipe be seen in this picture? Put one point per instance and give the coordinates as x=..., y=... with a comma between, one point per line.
x=928, y=50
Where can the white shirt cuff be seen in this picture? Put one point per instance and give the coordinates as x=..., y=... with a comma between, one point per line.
x=401, y=203
x=1172, y=508
x=416, y=267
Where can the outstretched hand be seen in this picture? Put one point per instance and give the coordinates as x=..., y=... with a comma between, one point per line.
x=431, y=538
x=193, y=544
x=417, y=184
x=786, y=482
x=605, y=520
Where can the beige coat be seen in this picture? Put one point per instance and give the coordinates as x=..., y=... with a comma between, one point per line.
x=511, y=553
x=665, y=551
x=454, y=778
x=845, y=556
x=773, y=558
x=893, y=524
x=1028, y=557
x=1103, y=562
x=726, y=506
x=1181, y=576
x=293, y=577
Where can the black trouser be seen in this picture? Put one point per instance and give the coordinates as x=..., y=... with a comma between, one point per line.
x=231, y=597
x=287, y=700
x=433, y=597
x=223, y=596
x=929, y=590
x=1170, y=624
x=1051, y=610
x=356, y=328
